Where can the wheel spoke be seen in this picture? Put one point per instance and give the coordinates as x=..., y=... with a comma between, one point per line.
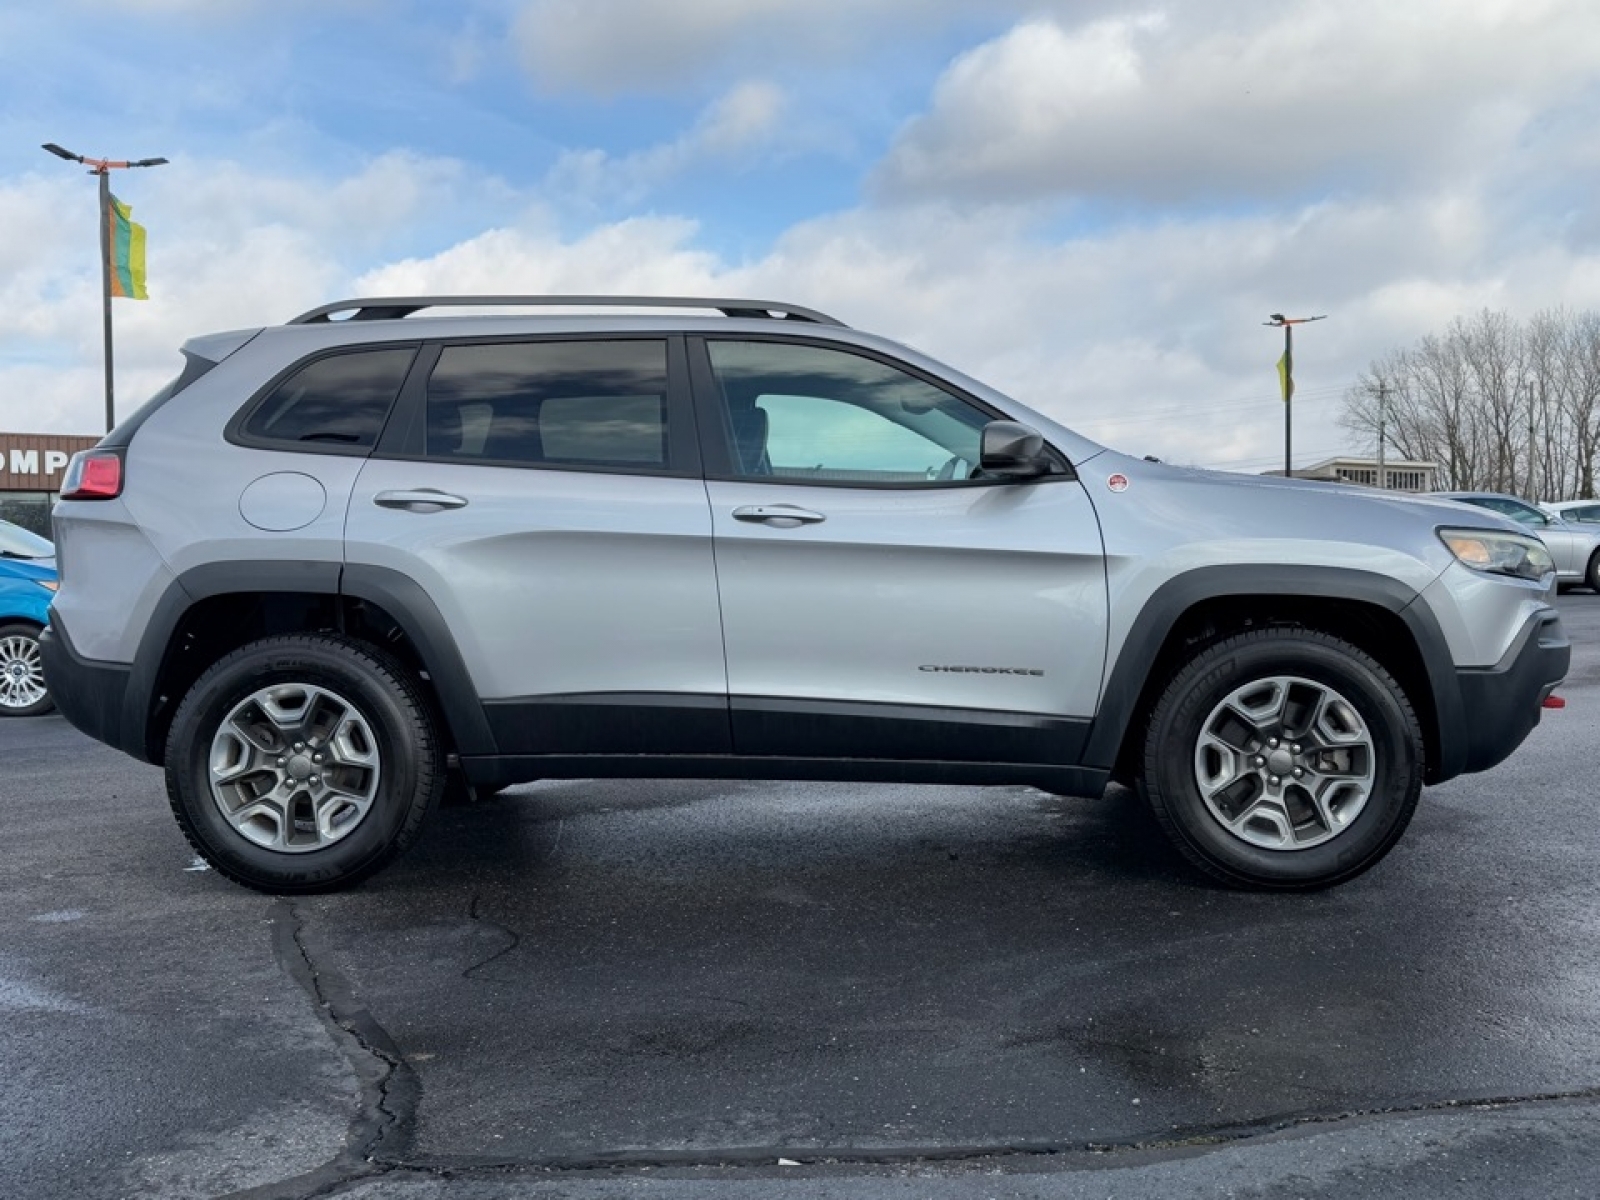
x=265, y=822
x=1347, y=762
x=233, y=757
x=352, y=745
x=1337, y=723
x=1260, y=705
x=254, y=727
x=336, y=813
x=1265, y=824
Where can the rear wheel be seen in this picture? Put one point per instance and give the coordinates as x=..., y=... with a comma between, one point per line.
x=1592, y=575
x=303, y=763
x=1283, y=759
x=22, y=686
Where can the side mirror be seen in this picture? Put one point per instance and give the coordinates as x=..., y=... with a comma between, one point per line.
x=1013, y=449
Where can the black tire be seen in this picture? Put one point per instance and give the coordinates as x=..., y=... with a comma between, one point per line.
x=20, y=642
x=1179, y=746
x=393, y=720
x=1592, y=575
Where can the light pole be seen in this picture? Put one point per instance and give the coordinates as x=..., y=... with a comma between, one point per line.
x=1286, y=376
x=103, y=168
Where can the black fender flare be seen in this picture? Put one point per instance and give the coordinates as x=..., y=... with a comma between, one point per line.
x=404, y=599
x=399, y=596
x=1127, y=677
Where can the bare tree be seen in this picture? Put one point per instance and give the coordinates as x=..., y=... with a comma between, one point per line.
x=1496, y=405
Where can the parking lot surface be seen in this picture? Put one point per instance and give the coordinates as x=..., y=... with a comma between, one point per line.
x=613, y=987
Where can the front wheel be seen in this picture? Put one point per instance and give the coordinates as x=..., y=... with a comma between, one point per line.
x=1592, y=575
x=1283, y=759
x=22, y=687
x=303, y=763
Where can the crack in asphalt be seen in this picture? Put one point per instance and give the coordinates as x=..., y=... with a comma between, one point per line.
x=389, y=1089
x=516, y=938
x=379, y=1139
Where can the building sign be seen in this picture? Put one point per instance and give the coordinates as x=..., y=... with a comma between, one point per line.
x=35, y=462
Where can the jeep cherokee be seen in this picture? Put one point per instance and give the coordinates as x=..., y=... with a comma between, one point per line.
x=339, y=563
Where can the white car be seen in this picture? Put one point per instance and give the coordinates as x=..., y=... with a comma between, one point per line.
x=1573, y=542
x=1577, y=512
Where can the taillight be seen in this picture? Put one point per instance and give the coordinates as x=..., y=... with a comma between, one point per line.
x=93, y=475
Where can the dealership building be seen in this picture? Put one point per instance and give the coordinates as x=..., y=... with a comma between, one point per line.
x=31, y=469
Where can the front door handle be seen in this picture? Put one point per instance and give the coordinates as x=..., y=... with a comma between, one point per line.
x=421, y=500
x=782, y=516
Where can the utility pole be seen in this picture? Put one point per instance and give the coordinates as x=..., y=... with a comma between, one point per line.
x=1383, y=415
x=103, y=168
x=1533, y=454
x=1286, y=378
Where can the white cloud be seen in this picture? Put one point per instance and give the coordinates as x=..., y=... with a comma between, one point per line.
x=646, y=256
x=732, y=132
x=1226, y=101
x=229, y=247
x=1149, y=339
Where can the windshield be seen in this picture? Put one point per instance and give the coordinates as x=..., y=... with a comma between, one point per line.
x=17, y=542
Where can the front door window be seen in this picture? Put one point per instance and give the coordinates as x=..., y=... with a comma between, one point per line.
x=812, y=413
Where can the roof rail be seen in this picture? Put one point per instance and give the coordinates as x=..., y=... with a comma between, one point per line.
x=390, y=308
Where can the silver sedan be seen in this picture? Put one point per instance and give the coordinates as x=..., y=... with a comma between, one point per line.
x=1574, y=545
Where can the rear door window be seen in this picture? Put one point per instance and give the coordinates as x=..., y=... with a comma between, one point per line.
x=600, y=405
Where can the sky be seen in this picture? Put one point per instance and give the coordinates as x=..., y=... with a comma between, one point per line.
x=1092, y=206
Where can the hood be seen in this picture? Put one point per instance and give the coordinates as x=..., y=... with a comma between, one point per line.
x=1274, y=488
x=28, y=568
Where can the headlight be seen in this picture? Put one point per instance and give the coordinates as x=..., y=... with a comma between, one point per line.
x=1497, y=553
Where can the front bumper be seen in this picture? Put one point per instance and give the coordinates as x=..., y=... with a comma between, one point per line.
x=1501, y=704
x=92, y=695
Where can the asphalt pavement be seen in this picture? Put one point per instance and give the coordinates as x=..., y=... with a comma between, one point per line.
x=619, y=988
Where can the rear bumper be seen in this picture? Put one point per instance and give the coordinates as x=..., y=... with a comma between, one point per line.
x=92, y=695
x=1501, y=704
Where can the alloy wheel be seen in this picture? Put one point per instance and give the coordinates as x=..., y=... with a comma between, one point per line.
x=1285, y=763
x=21, y=672
x=294, y=767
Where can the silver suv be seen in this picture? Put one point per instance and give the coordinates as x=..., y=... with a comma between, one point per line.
x=340, y=563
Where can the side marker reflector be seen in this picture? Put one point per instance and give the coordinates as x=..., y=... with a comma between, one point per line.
x=1553, y=701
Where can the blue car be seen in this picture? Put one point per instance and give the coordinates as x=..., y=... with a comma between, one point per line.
x=27, y=585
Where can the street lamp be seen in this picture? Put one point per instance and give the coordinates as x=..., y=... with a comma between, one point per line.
x=103, y=168
x=1286, y=375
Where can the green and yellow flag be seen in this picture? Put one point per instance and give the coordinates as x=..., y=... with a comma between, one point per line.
x=126, y=244
x=1286, y=376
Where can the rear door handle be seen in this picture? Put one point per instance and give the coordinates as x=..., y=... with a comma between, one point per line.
x=783, y=516
x=421, y=500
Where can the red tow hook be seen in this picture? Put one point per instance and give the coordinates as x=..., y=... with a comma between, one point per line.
x=1553, y=701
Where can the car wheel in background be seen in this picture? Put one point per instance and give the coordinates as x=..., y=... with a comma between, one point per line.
x=303, y=763
x=1283, y=759
x=22, y=685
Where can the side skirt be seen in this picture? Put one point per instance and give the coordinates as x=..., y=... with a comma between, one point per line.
x=504, y=770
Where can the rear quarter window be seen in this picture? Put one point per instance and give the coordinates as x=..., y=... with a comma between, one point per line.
x=337, y=402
